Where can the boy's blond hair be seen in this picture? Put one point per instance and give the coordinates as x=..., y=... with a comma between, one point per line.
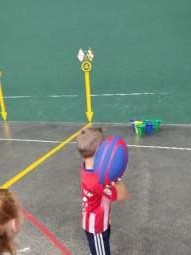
x=88, y=141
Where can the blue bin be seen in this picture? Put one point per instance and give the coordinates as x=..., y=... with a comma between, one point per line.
x=149, y=128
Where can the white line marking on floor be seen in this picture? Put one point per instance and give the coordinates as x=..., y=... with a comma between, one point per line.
x=28, y=140
x=160, y=147
x=129, y=145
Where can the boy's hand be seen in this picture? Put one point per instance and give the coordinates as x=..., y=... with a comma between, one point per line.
x=122, y=192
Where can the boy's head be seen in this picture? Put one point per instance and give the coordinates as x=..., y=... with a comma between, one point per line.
x=88, y=141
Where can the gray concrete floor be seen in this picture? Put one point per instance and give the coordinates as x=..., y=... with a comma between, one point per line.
x=155, y=221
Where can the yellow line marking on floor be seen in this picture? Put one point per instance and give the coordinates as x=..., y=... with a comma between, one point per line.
x=39, y=161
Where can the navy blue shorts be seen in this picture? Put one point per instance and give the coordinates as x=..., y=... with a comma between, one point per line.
x=99, y=244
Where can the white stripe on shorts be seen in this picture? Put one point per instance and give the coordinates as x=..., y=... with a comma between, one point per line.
x=102, y=244
x=84, y=220
x=99, y=244
x=92, y=223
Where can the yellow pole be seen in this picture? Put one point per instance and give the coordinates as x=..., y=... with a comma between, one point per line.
x=86, y=68
x=88, y=92
x=2, y=103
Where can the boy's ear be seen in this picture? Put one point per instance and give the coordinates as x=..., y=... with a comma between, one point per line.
x=13, y=225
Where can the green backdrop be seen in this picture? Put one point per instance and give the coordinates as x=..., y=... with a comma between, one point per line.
x=142, y=50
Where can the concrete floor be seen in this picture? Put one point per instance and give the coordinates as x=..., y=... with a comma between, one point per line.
x=155, y=221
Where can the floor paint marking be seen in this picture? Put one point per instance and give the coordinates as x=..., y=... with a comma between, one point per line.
x=160, y=147
x=28, y=140
x=46, y=232
x=39, y=161
x=129, y=145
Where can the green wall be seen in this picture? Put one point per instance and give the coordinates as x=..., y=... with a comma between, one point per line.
x=140, y=47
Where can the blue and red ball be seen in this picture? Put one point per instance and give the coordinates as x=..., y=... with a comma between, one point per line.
x=111, y=159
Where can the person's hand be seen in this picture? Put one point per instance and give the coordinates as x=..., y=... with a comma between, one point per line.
x=122, y=192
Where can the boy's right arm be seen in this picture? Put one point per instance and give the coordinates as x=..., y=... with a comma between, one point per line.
x=122, y=192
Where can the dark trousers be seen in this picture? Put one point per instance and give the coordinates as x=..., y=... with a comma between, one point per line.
x=99, y=244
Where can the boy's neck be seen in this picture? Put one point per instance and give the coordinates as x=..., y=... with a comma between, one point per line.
x=89, y=163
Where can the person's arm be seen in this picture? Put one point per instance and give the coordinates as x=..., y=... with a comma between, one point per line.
x=115, y=191
x=122, y=192
x=108, y=191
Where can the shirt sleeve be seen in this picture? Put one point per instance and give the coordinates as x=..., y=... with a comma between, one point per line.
x=108, y=191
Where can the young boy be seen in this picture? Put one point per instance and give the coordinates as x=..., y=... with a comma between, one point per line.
x=96, y=198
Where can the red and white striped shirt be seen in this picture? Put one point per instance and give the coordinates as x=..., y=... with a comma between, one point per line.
x=96, y=202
